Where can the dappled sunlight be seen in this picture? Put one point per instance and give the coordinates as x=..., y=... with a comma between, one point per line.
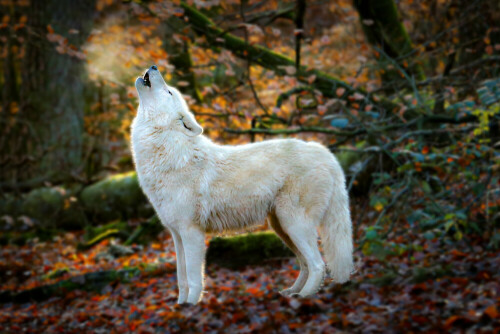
x=118, y=53
x=96, y=218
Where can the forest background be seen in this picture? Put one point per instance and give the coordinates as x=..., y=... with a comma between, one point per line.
x=405, y=93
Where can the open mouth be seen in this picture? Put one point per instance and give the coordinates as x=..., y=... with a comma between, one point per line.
x=146, y=79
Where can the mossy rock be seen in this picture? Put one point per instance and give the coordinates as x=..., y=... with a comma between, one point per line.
x=116, y=197
x=246, y=249
x=43, y=204
x=10, y=207
x=21, y=238
x=53, y=207
x=10, y=204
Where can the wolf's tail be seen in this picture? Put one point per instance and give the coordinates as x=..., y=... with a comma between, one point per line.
x=336, y=235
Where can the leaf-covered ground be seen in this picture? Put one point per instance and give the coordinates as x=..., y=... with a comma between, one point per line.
x=438, y=288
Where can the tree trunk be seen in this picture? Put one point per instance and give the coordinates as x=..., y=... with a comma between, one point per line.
x=44, y=140
x=8, y=85
x=383, y=29
x=476, y=36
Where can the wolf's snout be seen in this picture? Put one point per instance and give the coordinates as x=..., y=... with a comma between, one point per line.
x=147, y=82
x=146, y=79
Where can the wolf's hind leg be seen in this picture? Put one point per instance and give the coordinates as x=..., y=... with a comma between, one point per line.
x=181, y=267
x=193, y=241
x=301, y=280
x=302, y=232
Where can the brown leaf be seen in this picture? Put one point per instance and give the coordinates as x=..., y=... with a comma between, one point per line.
x=492, y=312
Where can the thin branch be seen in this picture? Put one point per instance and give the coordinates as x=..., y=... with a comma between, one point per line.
x=299, y=32
x=249, y=63
x=272, y=15
x=274, y=61
x=296, y=90
x=289, y=131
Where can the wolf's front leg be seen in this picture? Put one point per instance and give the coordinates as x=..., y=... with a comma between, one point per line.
x=193, y=241
x=181, y=267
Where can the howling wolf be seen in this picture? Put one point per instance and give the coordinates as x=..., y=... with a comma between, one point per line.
x=197, y=186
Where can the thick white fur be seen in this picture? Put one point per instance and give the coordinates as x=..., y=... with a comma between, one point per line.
x=197, y=186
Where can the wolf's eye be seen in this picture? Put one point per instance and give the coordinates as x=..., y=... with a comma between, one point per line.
x=184, y=124
x=170, y=92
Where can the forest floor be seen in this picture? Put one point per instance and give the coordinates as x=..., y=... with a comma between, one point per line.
x=439, y=287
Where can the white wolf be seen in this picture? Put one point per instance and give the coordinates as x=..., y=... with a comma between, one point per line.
x=197, y=186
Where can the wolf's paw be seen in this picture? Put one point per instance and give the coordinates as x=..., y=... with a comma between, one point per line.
x=306, y=293
x=182, y=300
x=288, y=293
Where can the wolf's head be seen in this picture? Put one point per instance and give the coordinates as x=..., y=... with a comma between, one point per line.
x=164, y=105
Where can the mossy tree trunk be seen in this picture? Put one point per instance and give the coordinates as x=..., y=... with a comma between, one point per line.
x=43, y=139
x=383, y=29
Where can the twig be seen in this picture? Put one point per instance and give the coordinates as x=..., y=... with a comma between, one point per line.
x=289, y=131
x=249, y=63
x=287, y=94
x=299, y=32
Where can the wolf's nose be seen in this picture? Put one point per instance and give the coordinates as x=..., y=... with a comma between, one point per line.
x=154, y=68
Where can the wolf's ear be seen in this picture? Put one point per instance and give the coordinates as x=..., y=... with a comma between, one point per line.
x=188, y=124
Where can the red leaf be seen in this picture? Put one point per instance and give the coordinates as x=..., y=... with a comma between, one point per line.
x=492, y=312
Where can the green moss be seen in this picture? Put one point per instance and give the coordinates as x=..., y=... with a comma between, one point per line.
x=21, y=238
x=422, y=274
x=384, y=280
x=348, y=158
x=92, y=232
x=56, y=273
x=53, y=207
x=145, y=232
x=103, y=236
x=94, y=235
x=9, y=204
x=142, y=234
x=117, y=197
x=93, y=281
x=246, y=249
x=44, y=204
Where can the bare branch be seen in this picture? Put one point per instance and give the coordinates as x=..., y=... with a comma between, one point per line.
x=289, y=131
